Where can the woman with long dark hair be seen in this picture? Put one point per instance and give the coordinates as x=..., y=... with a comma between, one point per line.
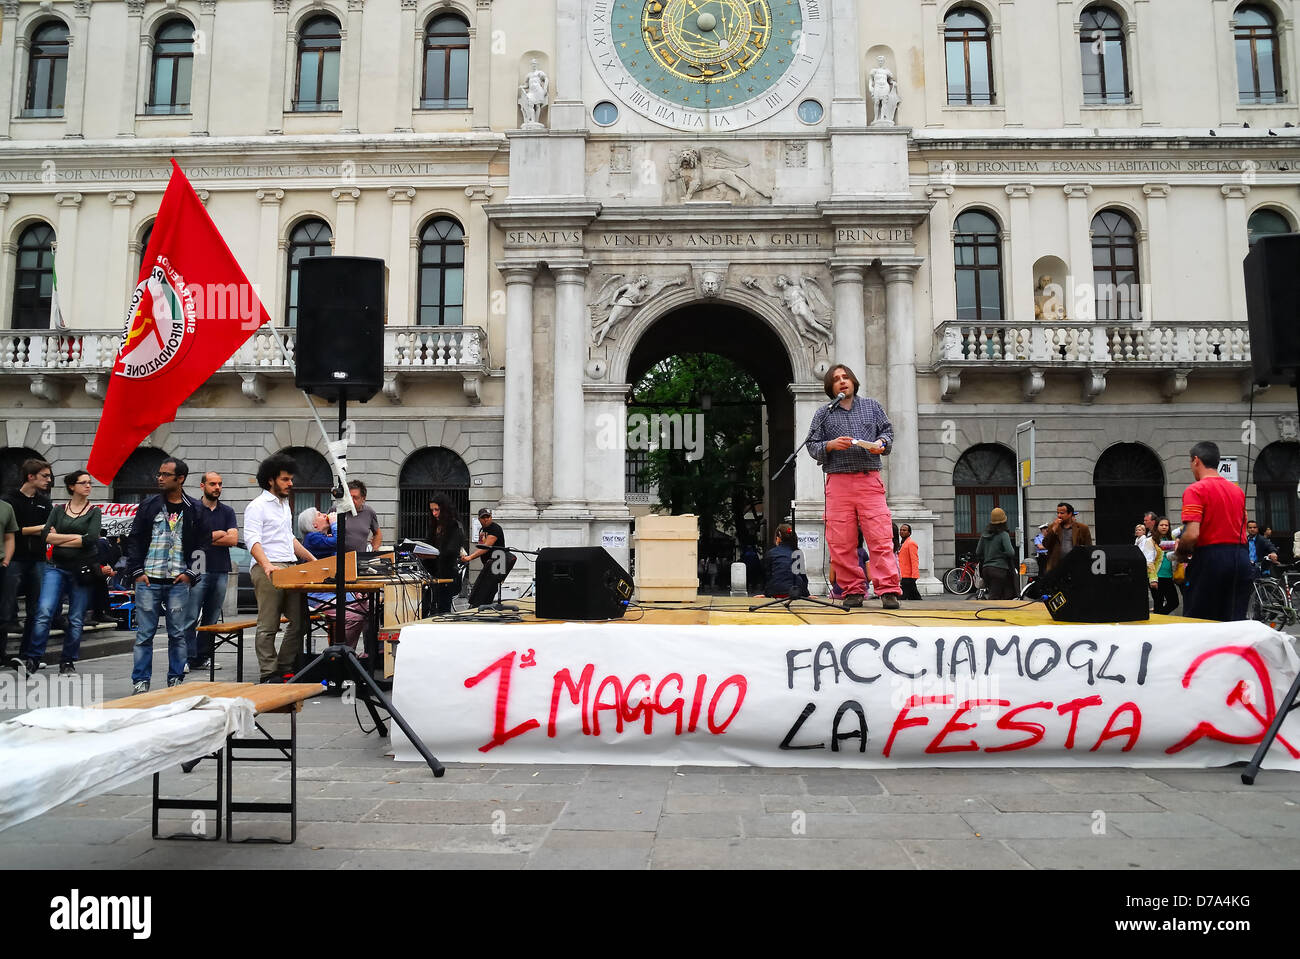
x=73, y=530
x=1166, y=596
x=450, y=540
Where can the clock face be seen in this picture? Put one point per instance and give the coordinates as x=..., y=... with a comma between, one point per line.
x=706, y=65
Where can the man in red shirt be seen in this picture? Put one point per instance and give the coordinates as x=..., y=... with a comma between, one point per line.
x=1214, y=526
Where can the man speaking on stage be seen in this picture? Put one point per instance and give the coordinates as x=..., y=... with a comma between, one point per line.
x=847, y=437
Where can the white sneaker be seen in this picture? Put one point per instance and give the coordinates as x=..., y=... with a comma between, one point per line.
x=140, y=687
x=187, y=667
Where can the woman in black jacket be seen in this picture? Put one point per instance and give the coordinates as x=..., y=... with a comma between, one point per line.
x=450, y=540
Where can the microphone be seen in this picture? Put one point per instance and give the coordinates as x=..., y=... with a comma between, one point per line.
x=838, y=397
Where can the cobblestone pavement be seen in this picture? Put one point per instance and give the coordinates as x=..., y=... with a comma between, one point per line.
x=360, y=809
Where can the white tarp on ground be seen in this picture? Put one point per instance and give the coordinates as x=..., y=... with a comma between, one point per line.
x=1194, y=694
x=53, y=756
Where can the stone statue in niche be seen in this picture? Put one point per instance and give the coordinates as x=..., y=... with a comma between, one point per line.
x=534, y=95
x=1049, y=302
x=699, y=170
x=614, y=304
x=805, y=300
x=884, y=94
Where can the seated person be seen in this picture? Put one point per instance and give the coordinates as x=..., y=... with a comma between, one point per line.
x=320, y=537
x=778, y=565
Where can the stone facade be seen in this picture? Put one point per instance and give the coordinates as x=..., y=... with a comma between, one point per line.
x=806, y=226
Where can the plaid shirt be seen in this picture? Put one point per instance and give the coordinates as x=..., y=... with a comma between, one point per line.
x=864, y=420
x=165, y=558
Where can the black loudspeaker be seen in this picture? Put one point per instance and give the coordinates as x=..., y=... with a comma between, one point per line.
x=1099, y=584
x=1273, y=307
x=340, y=342
x=581, y=582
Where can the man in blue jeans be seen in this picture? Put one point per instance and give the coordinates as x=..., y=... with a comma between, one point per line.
x=162, y=551
x=220, y=532
x=26, y=570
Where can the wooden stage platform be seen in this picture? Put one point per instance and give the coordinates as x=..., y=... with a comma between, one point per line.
x=734, y=611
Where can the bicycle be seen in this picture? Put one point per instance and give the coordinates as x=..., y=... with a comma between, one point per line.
x=961, y=578
x=1270, y=600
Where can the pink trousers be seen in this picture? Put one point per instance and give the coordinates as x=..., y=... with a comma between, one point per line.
x=857, y=501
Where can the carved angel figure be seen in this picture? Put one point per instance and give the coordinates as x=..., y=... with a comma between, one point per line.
x=607, y=311
x=533, y=95
x=805, y=300
x=700, y=170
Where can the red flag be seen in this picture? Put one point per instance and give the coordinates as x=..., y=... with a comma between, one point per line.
x=191, y=310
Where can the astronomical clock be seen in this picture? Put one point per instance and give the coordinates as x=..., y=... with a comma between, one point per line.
x=708, y=66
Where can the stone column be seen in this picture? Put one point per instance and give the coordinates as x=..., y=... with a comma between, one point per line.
x=399, y=257
x=480, y=69
x=75, y=96
x=1019, y=305
x=567, y=435
x=345, y=220
x=350, y=81
x=281, y=52
x=905, y=459
x=201, y=87
x=268, y=253
x=1071, y=72
x=850, y=322
x=1006, y=63
x=1143, y=63
x=517, y=479
x=1159, y=282
x=66, y=256
x=848, y=103
x=8, y=59
x=566, y=109
x=1235, y=249
x=120, y=280
x=1225, y=60
x=408, y=62
x=6, y=263
x=943, y=272
x=1079, y=302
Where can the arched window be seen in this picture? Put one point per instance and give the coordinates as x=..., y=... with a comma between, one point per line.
x=1266, y=222
x=309, y=238
x=47, y=71
x=1259, y=74
x=144, y=246
x=313, y=482
x=1129, y=480
x=137, y=480
x=983, y=478
x=34, y=278
x=966, y=52
x=977, y=251
x=1276, y=473
x=11, y=466
x=442, y=273
x=1115, y=267
x=426, y=473
x=319, y=46
x=1101, y=47
x=446, y=64
x=173, y=67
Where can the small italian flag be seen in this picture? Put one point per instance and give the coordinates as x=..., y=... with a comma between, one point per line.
x=56, y=314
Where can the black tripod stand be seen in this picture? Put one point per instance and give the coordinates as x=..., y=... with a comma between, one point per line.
x=338, y=663
x=785, y=603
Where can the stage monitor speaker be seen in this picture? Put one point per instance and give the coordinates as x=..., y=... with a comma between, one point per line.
x=340, y=342
x=1273, y=307
x=581, y=582
x=1099, y=584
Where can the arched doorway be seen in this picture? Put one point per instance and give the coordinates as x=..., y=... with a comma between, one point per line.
x=137, y=480
x=984, y=478
x=1129, y=480
x=1277, y=472
x=758, y=356
x=426, y=473
x=313, y=483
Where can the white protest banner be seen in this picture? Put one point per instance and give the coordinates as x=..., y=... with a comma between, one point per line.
x=116, y=518
x=1193, y=694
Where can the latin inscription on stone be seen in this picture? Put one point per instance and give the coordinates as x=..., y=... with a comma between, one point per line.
x=733, y=240
x=543, y=237
x=858, y=234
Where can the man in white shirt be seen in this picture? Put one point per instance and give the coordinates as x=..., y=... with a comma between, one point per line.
x=268, y=534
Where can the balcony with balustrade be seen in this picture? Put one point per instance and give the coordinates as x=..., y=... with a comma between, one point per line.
x=1089, y=351
x=51, y=360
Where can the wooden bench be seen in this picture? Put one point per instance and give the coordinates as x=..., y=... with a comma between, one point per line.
x=231, y=634
x=265, y=699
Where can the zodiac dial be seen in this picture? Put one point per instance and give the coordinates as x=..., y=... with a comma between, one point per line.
x=706, y=65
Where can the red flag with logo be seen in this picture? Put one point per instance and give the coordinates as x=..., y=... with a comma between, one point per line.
x=192, y=308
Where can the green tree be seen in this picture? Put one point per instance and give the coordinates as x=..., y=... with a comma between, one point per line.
x=725, y=482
